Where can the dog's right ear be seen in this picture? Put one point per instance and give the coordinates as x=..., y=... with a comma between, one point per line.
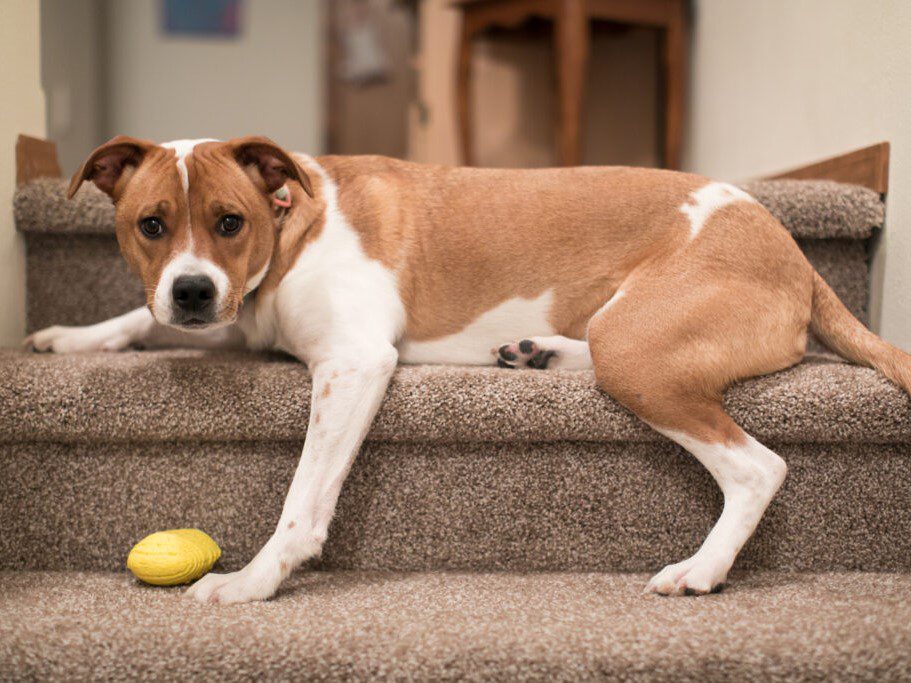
x=106, y=165
x=267, y=164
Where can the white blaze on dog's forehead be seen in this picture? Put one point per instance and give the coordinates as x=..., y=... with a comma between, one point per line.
x=183, y=148
x=705, y=201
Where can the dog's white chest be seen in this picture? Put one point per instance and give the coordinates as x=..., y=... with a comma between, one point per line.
x=512, y=320
x=333, y=297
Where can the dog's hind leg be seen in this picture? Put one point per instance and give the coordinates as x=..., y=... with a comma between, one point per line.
x=541, y=353
x=749, y=475
x=667, y=352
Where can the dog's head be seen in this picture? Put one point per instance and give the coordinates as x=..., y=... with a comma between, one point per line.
x=195, y=219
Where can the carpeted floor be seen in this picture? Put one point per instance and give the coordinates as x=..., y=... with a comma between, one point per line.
x=343, y=626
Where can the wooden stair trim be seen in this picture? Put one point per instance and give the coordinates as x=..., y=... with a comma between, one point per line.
x=36, y=158
x=868, y=167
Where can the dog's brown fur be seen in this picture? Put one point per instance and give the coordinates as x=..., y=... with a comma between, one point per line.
x=696, y=315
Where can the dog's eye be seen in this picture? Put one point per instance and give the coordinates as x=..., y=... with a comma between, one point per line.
x=230, y=224
x=151, y=227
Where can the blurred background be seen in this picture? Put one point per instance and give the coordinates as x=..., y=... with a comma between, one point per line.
x=735, y=89
x=333, y=76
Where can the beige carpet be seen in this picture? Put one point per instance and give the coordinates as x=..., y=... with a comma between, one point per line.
x=465, y=468
x=326, y=626
x=166, y=396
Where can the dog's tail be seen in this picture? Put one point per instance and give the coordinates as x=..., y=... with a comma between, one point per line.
x=845, y=335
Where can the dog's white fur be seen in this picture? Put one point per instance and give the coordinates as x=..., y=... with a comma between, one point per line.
x=749, y=476
x=707, y=200
x=513, y=319
x=187, y=263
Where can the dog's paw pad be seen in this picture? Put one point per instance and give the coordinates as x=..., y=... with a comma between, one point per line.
x=525, y=353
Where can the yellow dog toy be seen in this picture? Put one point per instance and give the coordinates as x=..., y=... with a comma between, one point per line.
x=170, y=558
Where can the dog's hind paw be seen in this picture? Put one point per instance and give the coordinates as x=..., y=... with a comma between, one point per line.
x=523, y=354
x=694, y=576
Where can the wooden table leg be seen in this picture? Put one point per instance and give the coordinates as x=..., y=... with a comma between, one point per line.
x=463, y=94
x=571, y=31
x=673, y=73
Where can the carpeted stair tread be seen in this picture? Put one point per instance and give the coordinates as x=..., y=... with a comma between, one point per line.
x=813, y=209
x=41, y=206
x=820, y=209
x=195, y=395
x=448, y=626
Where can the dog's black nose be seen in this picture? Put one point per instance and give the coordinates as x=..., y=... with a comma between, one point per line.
x=193, y=293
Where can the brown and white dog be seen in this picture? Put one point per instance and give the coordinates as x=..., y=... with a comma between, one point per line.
x=670, y=286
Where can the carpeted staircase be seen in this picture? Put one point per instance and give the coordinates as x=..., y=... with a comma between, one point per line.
x=498, y=524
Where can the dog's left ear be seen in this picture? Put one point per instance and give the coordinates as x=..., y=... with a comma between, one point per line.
x=268, y=165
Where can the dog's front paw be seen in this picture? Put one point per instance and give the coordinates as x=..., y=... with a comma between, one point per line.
x=60, y=339
x=233, y=588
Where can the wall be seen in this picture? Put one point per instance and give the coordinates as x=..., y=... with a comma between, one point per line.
x=72, y=54
x=22, y=112
x=778, y=83
x=268, y=81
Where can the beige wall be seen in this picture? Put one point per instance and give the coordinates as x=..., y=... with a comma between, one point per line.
x=22, y=112
x=432, y=135
x=778, y=83
x=268, y=81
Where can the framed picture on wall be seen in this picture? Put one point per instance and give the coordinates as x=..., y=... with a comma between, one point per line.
x=216, y=18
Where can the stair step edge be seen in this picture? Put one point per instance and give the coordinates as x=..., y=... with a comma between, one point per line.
x=199, y=396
